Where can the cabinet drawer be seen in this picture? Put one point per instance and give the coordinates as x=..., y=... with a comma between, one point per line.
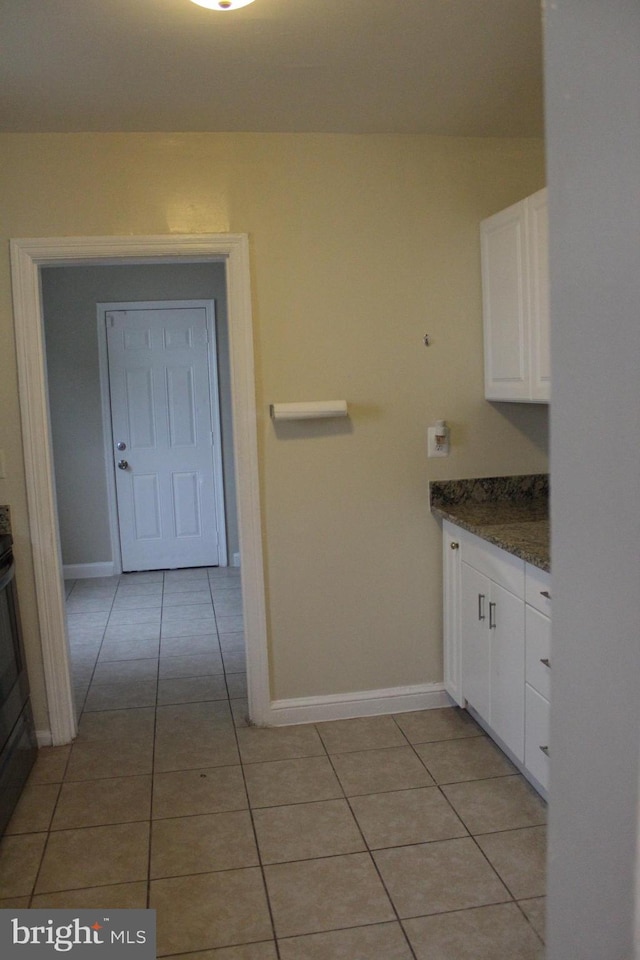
x=536, y=735
x=537, y=589
x=537, y=629
x=501, y=567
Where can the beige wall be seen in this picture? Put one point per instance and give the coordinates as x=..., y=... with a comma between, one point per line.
x=359, y=245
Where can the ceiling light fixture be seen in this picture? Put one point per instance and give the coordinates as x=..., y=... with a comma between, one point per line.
x=222, y=4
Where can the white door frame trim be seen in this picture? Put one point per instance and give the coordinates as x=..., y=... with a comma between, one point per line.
x=209, y=306
x=27, y=258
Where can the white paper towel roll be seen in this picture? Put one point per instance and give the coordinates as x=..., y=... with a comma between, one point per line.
x=311, y=410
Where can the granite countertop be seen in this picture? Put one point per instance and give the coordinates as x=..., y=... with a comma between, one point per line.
x=511, y=512
x=5, y=519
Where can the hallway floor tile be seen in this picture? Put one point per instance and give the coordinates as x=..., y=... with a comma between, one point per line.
x=405, y=837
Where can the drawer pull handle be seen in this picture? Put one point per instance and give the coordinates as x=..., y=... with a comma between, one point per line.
x=546, y=662
x=492, y=616
x=545, y=750
x=481, y=599
x=545, y=594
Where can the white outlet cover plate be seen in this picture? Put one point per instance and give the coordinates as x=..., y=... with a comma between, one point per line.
x=435, y=449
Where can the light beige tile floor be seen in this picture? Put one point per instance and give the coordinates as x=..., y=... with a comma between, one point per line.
x=409, y=837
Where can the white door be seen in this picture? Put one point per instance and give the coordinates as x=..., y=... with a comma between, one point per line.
x=166, y=435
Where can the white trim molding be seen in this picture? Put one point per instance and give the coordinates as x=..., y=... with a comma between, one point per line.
x=86, y=571
x=43, y=738
x=361, y=703
x=28, y=256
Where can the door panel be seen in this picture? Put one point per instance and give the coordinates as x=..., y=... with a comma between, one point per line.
x=505, y=292
x=186, y=502
x=476, y=649
x=507, y=669
x=146, y=507
x=160, y=363
x=181, y=403
x=139, y=401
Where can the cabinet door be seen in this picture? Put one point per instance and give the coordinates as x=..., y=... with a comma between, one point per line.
x=506, y=628
x=451, y=612
x=476, y=647
x=538, y=227
x=538, y=651
x=537, y=587
x=505, y=300
x=537, y=739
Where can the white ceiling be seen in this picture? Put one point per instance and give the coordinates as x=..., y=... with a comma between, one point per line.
x=444, y=67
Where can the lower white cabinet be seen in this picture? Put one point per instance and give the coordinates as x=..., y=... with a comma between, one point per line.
x=497, y=645
x=475, y=641
x=538, y=659
x=507, y=669
x=538, y=687
x=536, y=748
x=492, y=621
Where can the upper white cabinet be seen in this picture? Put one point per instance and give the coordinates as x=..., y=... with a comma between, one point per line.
x=515, y=295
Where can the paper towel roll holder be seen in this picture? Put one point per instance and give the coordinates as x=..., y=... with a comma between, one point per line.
x=309, y=410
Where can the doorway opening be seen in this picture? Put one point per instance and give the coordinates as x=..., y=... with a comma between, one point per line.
x=184, y=380
x=29, y=257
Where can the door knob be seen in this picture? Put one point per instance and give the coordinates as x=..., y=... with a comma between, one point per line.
x=123, y=464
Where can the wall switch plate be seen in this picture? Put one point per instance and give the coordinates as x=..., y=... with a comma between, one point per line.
x=436, y=448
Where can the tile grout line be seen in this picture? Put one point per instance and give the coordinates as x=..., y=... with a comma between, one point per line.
x=255, y=836
x=249, y=808
x=64, y=772
x=372, y=858
x=462, y=821
x=327, y=755
x=489, y=833
x=153, y=753
x=81, y=707
x=464, y=824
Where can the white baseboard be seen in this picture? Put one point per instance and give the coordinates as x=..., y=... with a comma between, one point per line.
x=84, y=571
x=362, y=703
x=44, y=738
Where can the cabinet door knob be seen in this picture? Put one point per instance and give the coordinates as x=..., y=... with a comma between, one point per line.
x=545, y=750
x=546, y=662
x=454, y=545
x=545, y=594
